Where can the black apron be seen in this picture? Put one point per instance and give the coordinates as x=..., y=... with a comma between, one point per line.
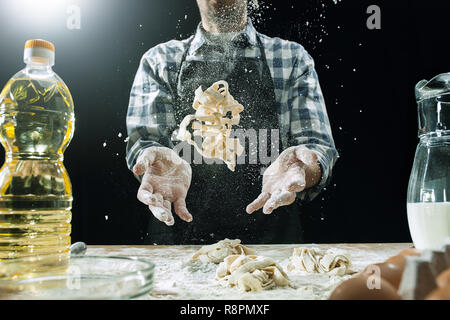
x=218, y=197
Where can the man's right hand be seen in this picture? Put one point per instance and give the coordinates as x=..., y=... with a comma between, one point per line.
x=166, y=180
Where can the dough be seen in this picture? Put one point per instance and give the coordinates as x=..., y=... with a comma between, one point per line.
x=316, y=261
x=217, y=252
x=216, y=112
x=251, y=273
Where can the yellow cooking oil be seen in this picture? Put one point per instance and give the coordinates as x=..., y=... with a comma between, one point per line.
x=36, y=126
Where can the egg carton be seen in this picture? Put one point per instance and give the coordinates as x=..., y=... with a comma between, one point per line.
x=420, y=273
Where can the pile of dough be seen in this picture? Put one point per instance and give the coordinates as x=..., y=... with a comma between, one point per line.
x=251, y=273
x=217, y=252
x=213, y=123
x=316, y=261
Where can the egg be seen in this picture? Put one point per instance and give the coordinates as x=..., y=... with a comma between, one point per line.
x=410, y=252
x=388, y=271
x=443, y=280
x=439, y=294
x=357, y=288
x=400, y=259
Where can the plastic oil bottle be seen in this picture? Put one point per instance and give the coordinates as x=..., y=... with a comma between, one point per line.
x=36, y=126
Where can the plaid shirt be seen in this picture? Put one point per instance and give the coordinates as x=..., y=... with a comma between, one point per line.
x=302, y=115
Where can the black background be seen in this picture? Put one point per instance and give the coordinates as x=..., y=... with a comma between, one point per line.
x=367, y=77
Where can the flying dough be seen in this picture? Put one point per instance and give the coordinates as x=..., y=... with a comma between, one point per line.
x=217, y=252
x=316, y=261
x=251, y=273
x=216, y=112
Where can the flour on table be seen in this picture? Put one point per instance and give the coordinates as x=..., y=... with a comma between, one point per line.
x=216, y=253
x=196, y=280
x=251, y=273
x=313, y=260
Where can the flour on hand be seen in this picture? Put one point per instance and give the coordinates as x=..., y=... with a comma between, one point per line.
x=217, y=252
x=251, y=273
x=316, y=261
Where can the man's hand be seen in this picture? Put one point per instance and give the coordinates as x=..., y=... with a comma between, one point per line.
x=293, y=171
x=166, y=180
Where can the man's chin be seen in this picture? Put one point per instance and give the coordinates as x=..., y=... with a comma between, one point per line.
x=225, y=8
x=223, y=3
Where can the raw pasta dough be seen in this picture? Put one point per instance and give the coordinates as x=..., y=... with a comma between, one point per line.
x=217, y=252
x=316, y=261
x=213, y=124
x=251, y=273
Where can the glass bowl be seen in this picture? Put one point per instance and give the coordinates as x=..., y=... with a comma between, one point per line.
x=75, y=277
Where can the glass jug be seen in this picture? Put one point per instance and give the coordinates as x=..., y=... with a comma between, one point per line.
x=428, y=196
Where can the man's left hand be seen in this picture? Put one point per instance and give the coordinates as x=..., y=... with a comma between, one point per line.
x=295, y=170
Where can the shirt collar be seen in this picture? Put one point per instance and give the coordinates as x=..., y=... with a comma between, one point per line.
x=249, y=34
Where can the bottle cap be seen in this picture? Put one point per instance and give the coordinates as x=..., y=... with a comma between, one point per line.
x=39, y=51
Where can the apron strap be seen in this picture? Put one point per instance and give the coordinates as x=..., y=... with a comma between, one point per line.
x=183, y=58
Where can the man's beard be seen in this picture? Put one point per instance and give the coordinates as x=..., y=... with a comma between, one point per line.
x=228, y=17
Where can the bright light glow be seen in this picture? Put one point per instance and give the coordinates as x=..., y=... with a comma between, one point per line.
x=37, y=12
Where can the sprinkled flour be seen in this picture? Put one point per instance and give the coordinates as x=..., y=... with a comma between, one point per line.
x=176, y=277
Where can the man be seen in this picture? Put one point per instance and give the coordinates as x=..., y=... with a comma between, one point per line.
x=276, y=83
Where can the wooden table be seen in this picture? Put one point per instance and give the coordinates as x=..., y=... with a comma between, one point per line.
x=177, y=278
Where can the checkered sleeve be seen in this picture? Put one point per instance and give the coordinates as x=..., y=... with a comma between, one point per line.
x=309, y=123
x=150, y=115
